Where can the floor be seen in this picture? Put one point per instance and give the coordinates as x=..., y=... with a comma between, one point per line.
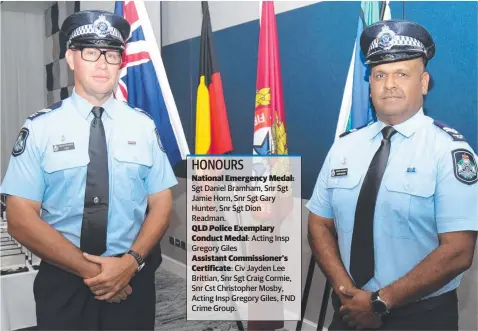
x=171, y=307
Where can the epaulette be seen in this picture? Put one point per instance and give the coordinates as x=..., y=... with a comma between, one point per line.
x=353, y=130
x=457, y=136
x=46, y=110
x=144, y=112
x=140, y=110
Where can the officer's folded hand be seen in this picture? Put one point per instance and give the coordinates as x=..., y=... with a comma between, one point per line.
x=115, y=276
x=356, y=309
x=121, y=295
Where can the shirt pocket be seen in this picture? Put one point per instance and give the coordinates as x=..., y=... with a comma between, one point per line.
x=65, y=175
x=131, y=168
x=343, y=192
x=408, y=199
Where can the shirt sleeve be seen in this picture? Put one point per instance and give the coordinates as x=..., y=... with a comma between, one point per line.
x=319, y=203
x=456, y=193
x=161, y=175
x=24, y=177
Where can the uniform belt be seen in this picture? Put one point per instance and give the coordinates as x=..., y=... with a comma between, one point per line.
x=412, y=308
x=425, y=304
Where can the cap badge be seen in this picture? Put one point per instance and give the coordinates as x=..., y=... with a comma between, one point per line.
x=385, y=38
x=102, y=27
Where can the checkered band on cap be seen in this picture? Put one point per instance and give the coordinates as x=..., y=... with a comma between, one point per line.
x=397, y=40
x=91, y=29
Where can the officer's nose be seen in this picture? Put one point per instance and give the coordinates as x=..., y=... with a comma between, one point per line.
x=390, y=82
x=101, y=63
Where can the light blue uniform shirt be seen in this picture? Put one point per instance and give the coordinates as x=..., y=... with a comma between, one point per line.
x=57, y=176
x=420, y=196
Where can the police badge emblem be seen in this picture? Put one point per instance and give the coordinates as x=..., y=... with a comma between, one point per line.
x=102, y=26
x=20, y=143
x=385, y=38
x=159, y=140
x=464, y=164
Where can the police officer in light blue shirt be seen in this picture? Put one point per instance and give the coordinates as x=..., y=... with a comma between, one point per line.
x=81, y=176
x=401, y=194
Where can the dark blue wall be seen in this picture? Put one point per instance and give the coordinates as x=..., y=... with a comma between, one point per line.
x=315, y=48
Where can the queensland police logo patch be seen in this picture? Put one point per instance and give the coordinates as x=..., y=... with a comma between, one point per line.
x=159, y=140
x=21, y=142
x=464, y=164
x=102, y=26
x=386, y=38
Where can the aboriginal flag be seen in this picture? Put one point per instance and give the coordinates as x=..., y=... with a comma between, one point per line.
x=212, y=127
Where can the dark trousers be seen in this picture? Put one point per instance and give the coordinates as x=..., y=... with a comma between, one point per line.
x=437, y=313
x=64, y=302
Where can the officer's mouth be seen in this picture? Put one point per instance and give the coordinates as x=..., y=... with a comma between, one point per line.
x=101, y=78
x=392, y=97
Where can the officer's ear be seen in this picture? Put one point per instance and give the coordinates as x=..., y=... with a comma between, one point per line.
x=70, y=56
x=425, y=77
x=425, y=81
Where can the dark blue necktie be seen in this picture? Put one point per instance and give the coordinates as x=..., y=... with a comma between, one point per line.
x=95, y=214
x=362, y=258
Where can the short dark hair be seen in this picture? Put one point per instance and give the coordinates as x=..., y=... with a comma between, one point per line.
x=425, y=62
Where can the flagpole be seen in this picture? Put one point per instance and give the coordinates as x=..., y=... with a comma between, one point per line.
x=324, y=306
x=260, y=12
x=305, y=295
x=161, y=28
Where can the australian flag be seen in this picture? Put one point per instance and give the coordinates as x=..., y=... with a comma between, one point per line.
x=143, y=82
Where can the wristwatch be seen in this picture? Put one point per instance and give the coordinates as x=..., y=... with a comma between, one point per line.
x=379, y=306
x=138, y=259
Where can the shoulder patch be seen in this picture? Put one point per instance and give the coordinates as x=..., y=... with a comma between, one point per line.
x=457, y=136
x=353, y=130
x=159, y=140
x=46, y=110
x=464, y=166
x=21, y=142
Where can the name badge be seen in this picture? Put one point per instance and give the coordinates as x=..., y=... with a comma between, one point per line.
x=63, y=147
x=339, y=172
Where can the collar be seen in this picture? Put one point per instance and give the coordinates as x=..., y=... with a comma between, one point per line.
x=407, y=128
x=84, y=107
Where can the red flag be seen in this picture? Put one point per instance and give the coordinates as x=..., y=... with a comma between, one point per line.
x=269, y=118
x=270, y=137
x=269, y=124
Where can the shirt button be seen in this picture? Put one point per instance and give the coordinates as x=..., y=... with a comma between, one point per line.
x=96, y=200
x=407, y=187
x=336, y=181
